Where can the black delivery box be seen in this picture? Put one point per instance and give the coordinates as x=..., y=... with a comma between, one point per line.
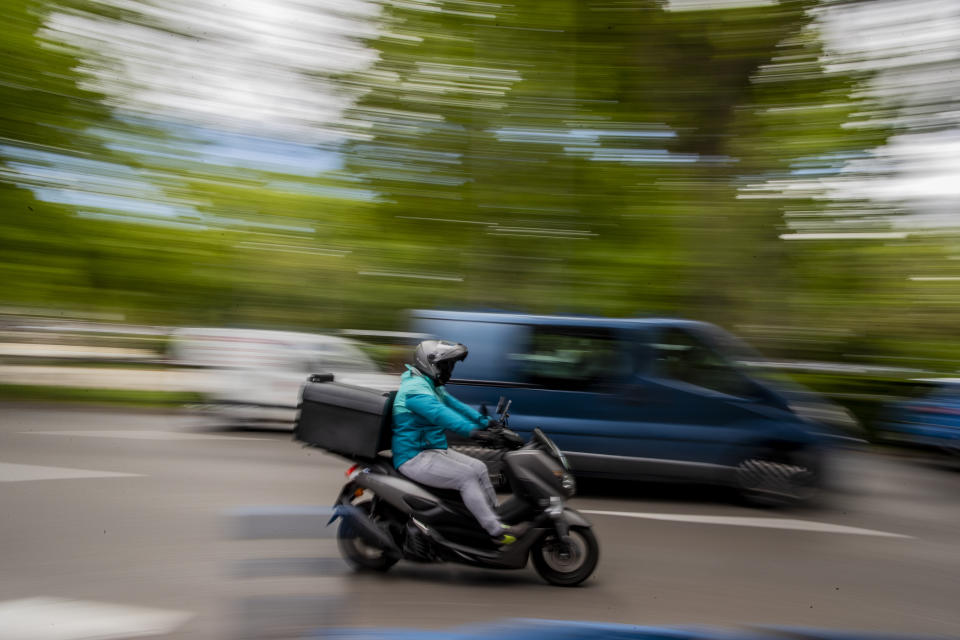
x=354, y=422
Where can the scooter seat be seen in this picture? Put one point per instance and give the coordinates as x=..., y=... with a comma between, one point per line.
x=508, y=510
x=443, y=494
x=447, y=495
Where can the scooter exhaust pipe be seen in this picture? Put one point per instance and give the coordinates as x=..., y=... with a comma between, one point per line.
x=365, y=527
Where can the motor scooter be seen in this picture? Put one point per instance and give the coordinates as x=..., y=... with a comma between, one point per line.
x=386, y=517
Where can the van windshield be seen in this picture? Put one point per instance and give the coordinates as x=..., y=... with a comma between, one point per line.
x=742, y=356
x=735, y=350
x=694, y=358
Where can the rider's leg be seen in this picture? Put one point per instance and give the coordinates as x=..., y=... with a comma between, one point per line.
x=436, y=468
x=483, y=474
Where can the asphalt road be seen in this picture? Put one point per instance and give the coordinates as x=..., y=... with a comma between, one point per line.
x=127, y=519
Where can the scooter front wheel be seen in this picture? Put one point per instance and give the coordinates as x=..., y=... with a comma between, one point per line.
x=567, y=565
x=360, y=554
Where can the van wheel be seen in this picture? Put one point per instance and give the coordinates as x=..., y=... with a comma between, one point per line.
x=775, y=480
x=360, y=554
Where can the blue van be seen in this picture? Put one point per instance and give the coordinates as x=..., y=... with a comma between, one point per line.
x=664, y=399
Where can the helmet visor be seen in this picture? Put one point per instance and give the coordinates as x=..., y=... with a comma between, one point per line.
x=445, y=371
x=447, y=359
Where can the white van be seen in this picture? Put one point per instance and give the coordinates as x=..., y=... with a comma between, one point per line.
x=254, y=376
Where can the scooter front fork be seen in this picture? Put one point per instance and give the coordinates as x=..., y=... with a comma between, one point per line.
x=560, y=524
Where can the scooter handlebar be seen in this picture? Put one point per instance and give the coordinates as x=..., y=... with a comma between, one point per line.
x=512, y=439
x=497, y=438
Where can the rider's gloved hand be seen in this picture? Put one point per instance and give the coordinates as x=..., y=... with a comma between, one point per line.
x=511, y=439
x=484, y=437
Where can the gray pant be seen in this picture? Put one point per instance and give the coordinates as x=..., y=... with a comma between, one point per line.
x=448, y=469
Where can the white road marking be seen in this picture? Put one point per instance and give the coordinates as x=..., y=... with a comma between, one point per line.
x=44, y=618
x=767, y=523
x=10, y=472
x=140, y=434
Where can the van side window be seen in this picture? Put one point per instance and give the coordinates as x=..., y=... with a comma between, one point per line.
x=681, y=355
x=572, y=358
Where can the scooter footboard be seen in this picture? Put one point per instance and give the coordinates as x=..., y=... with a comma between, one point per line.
x=515, y=556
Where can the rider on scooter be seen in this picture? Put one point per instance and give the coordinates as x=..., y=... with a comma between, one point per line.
x=422, y=411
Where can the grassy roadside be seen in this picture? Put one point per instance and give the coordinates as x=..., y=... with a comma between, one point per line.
x=121, y=397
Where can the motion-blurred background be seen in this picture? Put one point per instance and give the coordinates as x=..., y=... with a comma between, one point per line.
x=786, y=169
x=202, y=202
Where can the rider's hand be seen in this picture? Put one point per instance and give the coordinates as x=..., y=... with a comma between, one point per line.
x=484, y=437
x=496, y=425
x=511, y=438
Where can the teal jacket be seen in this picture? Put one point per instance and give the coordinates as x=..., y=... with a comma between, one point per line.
x=422, y=413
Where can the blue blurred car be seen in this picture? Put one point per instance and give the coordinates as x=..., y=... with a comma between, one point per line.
x=583, y=630
x=665, y=399
x=930, y=421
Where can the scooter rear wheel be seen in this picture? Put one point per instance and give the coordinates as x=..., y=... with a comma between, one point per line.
x=360, y=554
x=567, y=567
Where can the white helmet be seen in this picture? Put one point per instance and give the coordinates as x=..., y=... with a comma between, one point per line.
x=436, y=359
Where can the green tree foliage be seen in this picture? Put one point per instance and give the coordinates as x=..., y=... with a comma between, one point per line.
x=105, y=210
x=584, y=156
x=44, y=116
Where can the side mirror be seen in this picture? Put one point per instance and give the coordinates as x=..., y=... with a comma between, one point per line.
x=501, y=405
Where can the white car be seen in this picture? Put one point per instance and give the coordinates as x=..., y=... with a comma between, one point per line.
x=255, y=376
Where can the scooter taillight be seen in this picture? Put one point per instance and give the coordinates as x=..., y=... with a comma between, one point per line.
x=349, y=472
